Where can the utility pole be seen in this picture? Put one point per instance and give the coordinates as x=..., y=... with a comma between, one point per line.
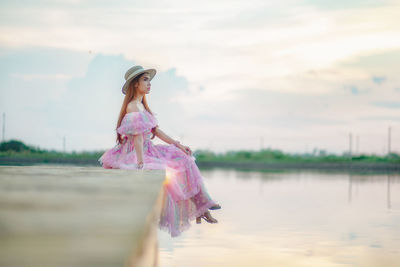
x=350, y=141
x=261, y=143
x=389, y=139
x=4, y=126
x=357, y=143
x=64, y=144
x=350, y=152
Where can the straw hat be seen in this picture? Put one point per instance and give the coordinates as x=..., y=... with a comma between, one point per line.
x=133, y=72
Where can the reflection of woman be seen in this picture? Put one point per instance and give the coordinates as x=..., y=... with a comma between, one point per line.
x=185, y=195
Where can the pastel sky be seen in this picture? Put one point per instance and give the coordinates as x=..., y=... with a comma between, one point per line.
x=294, y=75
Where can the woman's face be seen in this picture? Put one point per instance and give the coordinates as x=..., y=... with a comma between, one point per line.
x=143, y=85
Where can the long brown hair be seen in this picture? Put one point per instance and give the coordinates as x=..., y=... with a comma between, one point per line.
x=129, y=96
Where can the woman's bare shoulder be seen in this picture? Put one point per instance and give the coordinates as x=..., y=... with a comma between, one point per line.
x=132, y=107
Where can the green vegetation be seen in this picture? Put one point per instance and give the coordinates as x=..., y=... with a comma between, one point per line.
x=272, y=155
x=15, y=149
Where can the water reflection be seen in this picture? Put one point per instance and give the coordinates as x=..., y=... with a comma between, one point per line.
x=293, y=219
x=350, y=188
x=388, y=191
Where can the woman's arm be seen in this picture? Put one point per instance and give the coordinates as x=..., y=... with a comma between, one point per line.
x=138, y=144
x=163, y=136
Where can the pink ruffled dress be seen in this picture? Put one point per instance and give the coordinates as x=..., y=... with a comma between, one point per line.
x=185, y=196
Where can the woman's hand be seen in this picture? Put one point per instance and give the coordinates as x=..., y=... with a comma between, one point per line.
x=185, y=149
x=138, y=144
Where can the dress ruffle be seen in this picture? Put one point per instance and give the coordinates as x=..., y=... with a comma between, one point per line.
x=137, y=123
x=185, y=196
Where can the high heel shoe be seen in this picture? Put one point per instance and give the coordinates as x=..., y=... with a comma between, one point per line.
x=215, y=207
x=207, y=217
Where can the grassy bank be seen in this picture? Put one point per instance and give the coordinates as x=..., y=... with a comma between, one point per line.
x=274, y=156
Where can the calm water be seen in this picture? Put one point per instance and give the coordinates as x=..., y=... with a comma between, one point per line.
x=293, y=219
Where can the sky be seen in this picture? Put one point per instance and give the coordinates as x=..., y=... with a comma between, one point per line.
x=294, y=75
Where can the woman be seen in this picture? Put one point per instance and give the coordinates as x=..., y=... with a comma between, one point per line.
x=185, y=195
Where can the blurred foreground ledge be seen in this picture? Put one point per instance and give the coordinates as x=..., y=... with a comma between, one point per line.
x=78, y=216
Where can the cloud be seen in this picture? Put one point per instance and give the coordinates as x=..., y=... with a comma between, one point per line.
x=39, y=60
x=387, y=104
x=354, y=90
x=378, y=80
x=375, y=61
x=47, y=77
x=381, y=118
x=285, y=39
x=30, y=78
x=353, y=4
x=90, y=99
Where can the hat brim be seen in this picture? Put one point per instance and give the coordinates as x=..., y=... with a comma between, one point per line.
x=152, y=73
